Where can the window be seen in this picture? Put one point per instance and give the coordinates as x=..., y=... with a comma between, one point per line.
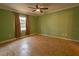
x=23, y=23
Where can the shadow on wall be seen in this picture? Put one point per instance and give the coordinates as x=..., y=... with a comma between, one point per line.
x=61, y=23
x=75, y=24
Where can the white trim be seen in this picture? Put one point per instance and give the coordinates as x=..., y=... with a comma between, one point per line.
x=9, y=40
x=50, y=12
x=23, y=36
x=60, y=37
x=34, y=34
x=2, y=42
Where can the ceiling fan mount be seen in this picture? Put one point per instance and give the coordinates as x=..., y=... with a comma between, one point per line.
x=38, y=9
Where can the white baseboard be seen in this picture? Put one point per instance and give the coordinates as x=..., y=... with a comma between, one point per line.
x=56, y=36
x=51, y=36
x=9, y=40
x=60, y=37
x=34, y=34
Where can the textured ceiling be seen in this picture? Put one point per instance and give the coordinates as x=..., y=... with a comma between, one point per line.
x=23, y=7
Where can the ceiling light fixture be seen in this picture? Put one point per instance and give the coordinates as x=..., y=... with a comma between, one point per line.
x=37, y=9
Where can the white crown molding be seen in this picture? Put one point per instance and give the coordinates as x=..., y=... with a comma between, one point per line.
x=52, y=11
x=34, y=14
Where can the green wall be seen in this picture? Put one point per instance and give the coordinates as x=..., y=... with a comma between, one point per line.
x=7, y=25
x=33, y=24
x=75, y=24
x=60, y=23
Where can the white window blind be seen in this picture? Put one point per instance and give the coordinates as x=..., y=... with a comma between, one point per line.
x=23, y=23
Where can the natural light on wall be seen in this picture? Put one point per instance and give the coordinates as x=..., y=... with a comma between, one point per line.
x=23, y=23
